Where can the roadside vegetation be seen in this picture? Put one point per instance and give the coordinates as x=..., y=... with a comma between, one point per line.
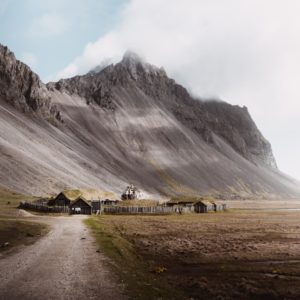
x=15, y=230
x=143, y=278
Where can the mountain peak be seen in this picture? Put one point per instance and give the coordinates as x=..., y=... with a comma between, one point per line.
x=136, y=65
x=133, y=63
x=131, y=56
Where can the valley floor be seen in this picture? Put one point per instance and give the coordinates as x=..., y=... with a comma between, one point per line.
x=252, y=251
x=240, y=254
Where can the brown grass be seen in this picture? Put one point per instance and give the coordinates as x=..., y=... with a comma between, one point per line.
x=9, y=201
x=140, y=203
x=142, y=278
x=233, y=255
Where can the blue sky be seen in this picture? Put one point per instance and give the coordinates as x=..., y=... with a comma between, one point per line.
x=245, y=52
x=49, y=34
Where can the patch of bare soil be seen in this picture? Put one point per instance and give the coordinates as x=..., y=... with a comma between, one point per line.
x=232, y=255
x=14, y=233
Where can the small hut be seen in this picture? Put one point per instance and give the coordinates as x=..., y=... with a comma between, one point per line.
x=204, y=206
x=80, y=206
x=194, y=204
x=184, y=204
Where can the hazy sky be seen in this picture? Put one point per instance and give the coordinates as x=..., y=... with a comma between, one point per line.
x=245, y=52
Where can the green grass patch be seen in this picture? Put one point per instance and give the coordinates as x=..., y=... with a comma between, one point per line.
x=143, y=280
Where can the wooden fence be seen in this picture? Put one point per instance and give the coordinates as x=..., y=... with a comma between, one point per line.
x=109, y=210
x=138, y=210
x=43, y=208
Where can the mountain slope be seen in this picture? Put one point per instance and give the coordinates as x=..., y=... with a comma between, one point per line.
x=131, y=123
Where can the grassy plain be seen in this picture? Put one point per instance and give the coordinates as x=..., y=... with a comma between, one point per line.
x=239, y=254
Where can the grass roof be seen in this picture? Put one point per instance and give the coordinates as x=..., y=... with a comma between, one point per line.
x=190, y=199
x=139, y=203
x=90, y=194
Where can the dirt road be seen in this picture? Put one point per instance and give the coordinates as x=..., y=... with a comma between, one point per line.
x=62, y=265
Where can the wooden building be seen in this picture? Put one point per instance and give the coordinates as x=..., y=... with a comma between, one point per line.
x=80, y=206
x=195, y=204
x=204, y=206
x=182, y=206
x=60, y=200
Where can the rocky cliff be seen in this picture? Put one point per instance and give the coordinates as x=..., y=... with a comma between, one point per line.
x=129, y=123
x=22, y=88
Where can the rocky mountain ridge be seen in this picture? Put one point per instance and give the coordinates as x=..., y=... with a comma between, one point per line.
x=232, y=123
x=128, y=123
x=23, y=89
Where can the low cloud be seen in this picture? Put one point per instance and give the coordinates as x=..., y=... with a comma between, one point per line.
x=108, y=48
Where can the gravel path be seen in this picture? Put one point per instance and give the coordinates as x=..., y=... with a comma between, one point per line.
x=62, y=265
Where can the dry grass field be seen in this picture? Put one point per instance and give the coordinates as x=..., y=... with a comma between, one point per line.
x=239, y=254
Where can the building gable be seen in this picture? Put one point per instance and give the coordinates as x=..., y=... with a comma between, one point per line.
x=80, y=202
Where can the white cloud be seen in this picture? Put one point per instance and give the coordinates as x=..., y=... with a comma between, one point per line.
x=29, y=59
x=49, y=24
x=94, y=54
x=245, y=52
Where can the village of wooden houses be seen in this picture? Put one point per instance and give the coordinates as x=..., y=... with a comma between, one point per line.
x=129, y=203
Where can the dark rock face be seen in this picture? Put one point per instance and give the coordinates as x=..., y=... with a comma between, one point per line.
x=23, y=89
x=88, y=87
x=234, y=124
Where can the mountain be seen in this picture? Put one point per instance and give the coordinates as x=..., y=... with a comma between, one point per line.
x=128, y=123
